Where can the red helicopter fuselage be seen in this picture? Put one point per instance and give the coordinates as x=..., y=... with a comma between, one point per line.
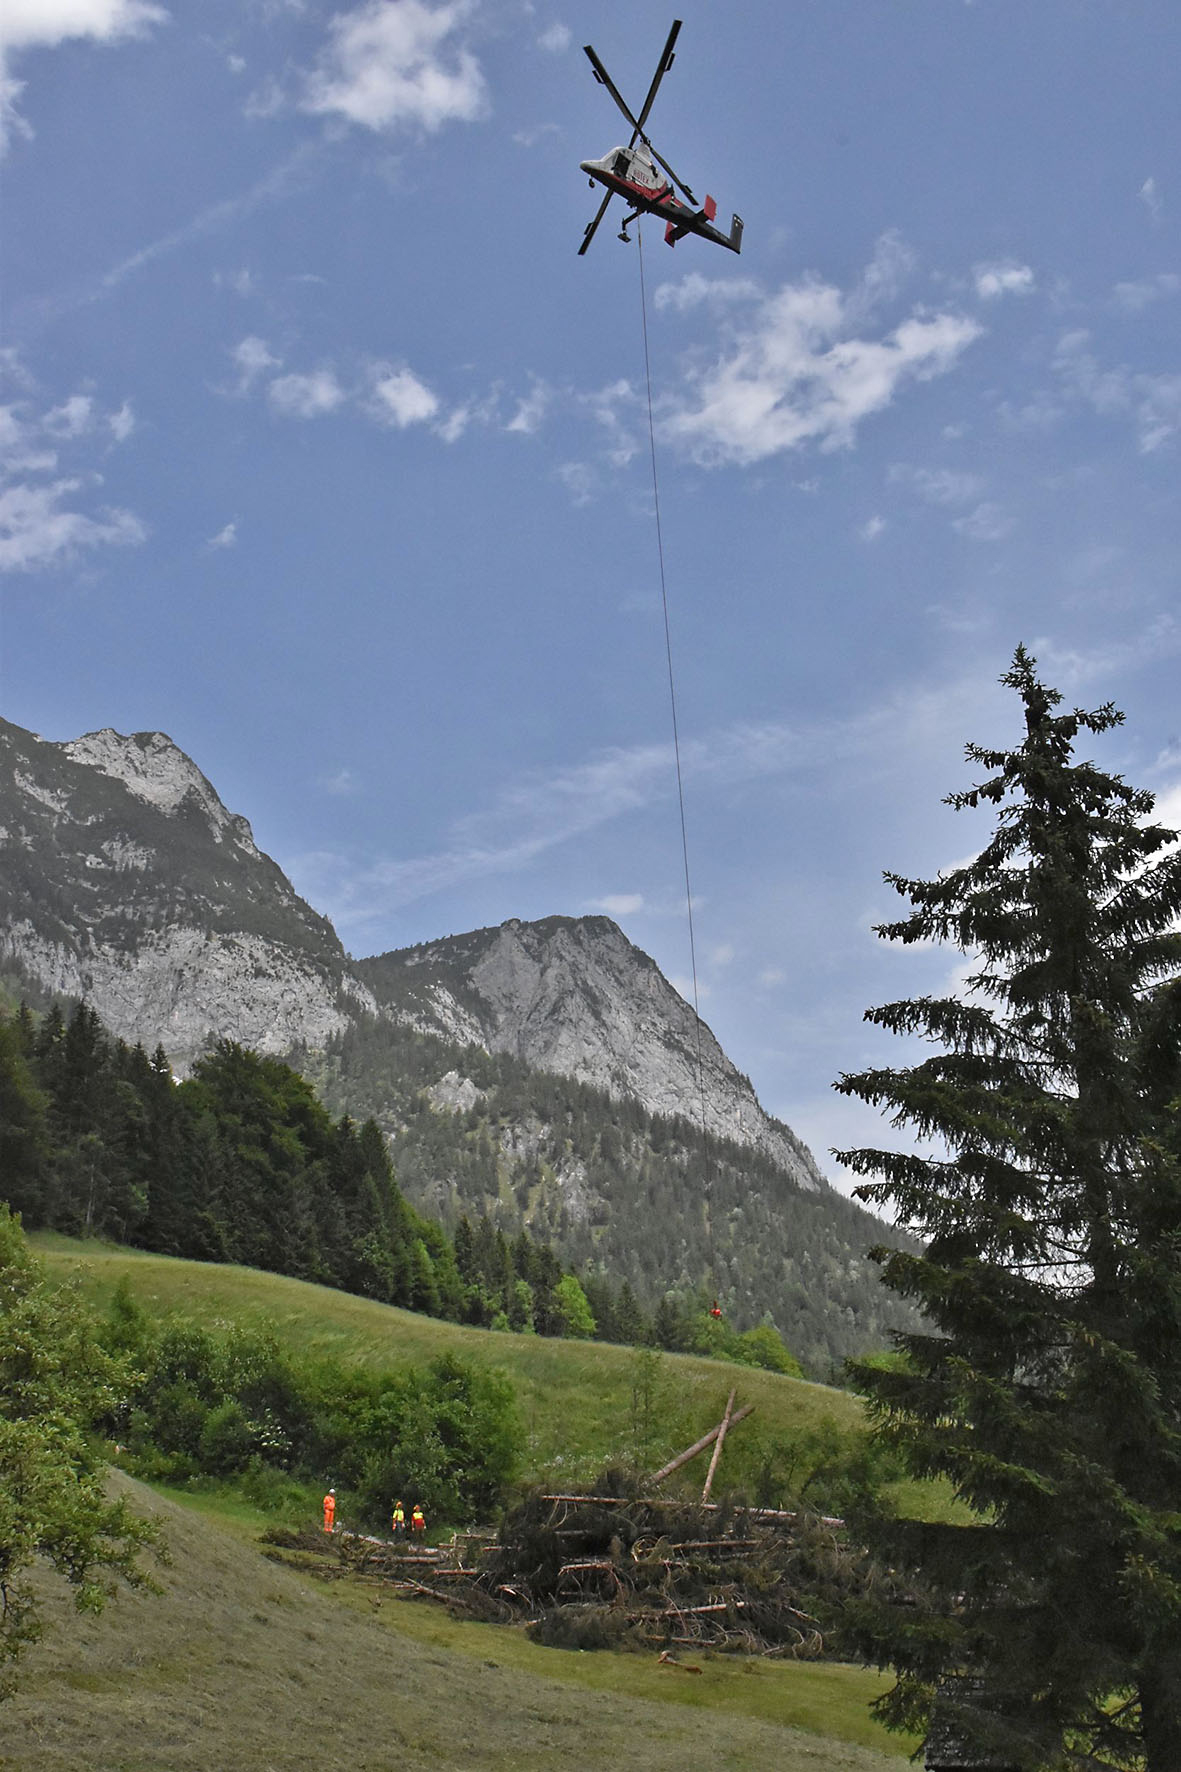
x=629, y=173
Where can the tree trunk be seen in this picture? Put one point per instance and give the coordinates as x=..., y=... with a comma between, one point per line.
x=1160, y=1711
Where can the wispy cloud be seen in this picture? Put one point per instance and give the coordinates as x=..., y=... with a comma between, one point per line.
x=207, y=221
x=1150, y=402
x=122, y=423
x=555, y=40
x=306, y=396
x=799, y=369
x=531, y=409
x=542, y=810
x=38, y=529
x=1133, y=298
x=252, y=358
x=1073, y=667
x=618, y=904
x=987, y=522
x=225, y=538
x=1151, y=198
x=695, y=290
x=1004, y=277
x=71, y=418
x=48, y=516
x=396, y=64
x=938, y=486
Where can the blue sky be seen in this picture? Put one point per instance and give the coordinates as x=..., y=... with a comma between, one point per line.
x=325, y=453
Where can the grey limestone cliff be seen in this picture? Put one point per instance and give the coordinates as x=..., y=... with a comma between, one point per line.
x=574, y=995
x=125, y=880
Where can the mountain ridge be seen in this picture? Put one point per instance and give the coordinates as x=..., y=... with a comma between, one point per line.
x=542, y=1075
x=224, y=945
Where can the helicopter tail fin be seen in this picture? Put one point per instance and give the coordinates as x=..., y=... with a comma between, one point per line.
x=735, y=240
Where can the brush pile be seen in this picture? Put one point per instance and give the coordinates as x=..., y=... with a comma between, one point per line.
x=619, y=1569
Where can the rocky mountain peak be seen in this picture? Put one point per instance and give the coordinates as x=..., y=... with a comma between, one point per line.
x=574, y=995
x=157, y=771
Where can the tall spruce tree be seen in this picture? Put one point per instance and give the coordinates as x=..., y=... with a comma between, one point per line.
x=1048, y=1389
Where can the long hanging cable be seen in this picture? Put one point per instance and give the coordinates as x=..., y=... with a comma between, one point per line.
x=672, y=696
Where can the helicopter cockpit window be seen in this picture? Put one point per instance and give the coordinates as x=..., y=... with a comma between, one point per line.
x=623, y=163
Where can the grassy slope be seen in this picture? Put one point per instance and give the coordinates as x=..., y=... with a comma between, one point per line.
x=245, y=1664
x=575, y=1397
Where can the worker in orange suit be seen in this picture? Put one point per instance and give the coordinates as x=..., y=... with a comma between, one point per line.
x=330, y=1510
x=418, y=1523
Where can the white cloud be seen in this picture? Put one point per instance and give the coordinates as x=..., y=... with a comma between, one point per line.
x=608, y=407
x=1151, y=198
x=871, y=530
x=241, y=282
x=1135, y=297
x=451, y=428
x=771, y=976
x=939, y=486
x=694, y=290
x=252, y=358
x=37, y=530
x=1072, y=667
x=555, y=40
x=343, y=784
x=988, y=522
x=579, y=479
x=71, y=418
x=1003, y=278
x=122, y=423
x=529, y=138
x=400, y=399
x=892, y=263
x=41, y=523
x=390, y=64
x=306, y=396
x=42, y=24
x=618, y=904
x=1152, y=403
x=795, y=373
x=530, y=410
x=225, y=538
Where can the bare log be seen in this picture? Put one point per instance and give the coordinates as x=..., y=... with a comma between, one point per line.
x=697, y=1446
x=689, y=1611
x=713, y=1463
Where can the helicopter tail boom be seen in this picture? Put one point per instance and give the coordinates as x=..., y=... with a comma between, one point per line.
x=701, y=223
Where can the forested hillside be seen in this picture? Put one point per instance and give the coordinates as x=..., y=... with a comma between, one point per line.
x=242, y=1163
x=620, y=1193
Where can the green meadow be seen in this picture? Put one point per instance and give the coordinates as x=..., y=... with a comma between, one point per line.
x=243, y=1662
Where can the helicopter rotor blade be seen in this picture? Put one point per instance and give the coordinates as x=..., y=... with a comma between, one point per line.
x=591, y=226
x=661, y=161
x=666, y=62
x=604, y=79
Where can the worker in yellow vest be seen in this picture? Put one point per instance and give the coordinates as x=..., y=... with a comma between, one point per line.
x=399, y=1520
x=329, y=1510
x=418, y=1523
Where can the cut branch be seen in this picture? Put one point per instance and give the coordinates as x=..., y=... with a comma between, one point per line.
x=698, y=1445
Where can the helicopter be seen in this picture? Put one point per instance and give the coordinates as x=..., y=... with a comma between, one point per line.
x=631, y=173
